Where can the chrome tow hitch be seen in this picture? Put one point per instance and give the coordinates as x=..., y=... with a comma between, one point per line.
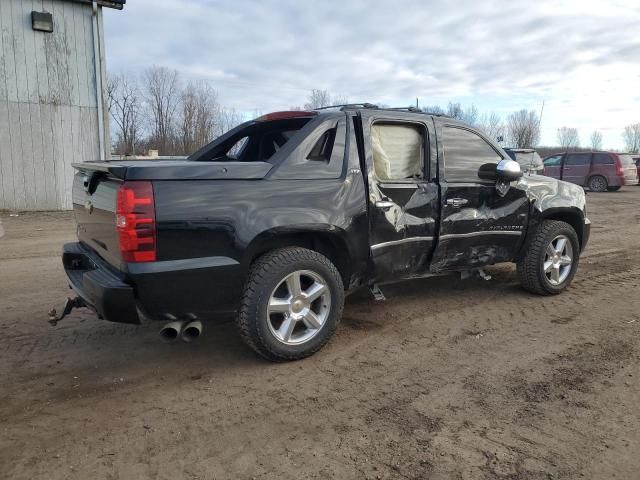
x=69, y=305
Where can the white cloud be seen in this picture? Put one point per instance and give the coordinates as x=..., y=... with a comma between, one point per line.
x=581, y=56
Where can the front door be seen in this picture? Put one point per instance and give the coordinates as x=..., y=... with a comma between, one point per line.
x=403, y=202
x=478, y=225
x=575, y=167
x=553, y=166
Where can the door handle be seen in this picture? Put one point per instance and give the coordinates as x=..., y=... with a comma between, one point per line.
x=457, y=202
x=384, y=204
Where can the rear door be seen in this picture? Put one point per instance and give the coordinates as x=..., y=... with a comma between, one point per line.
x=553, y=166
x=575, y=168
x=478, y=226
x=403, y=198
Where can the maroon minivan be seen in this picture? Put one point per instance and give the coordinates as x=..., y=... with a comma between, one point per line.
x=600, y=171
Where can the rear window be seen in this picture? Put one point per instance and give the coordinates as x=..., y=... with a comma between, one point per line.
x=626, y=160
x=251, y=142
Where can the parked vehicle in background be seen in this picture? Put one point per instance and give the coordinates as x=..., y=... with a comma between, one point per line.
x=528, y=159
x=600, y=171
x=312, y=204
x=637, y=162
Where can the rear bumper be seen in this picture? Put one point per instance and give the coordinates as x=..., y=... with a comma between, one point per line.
x=102, y=289
x=631, y=179
x=200, y=287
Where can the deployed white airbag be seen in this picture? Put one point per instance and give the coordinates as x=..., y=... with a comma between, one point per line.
x=397, y=151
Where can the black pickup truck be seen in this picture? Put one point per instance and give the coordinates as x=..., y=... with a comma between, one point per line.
x=278, y=218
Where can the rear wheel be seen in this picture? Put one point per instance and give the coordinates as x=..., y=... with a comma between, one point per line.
x=551, y=261
x=613, y=189
x=291, y=305
x=598, y=183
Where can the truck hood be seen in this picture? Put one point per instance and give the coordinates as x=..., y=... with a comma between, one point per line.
x=548, y=193
x=178, y=169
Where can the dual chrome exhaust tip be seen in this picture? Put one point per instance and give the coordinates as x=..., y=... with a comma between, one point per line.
x=187, y=330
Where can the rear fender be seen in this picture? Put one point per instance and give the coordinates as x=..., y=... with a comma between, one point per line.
x=329, y=240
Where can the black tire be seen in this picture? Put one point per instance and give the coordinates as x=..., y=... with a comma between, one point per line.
x=531, y=266
x=598, y=183
x=613, y=189
x=265, y=276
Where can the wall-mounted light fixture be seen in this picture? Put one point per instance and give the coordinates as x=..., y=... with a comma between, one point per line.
x=42, y=21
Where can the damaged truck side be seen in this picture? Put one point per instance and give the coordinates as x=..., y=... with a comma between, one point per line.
x=278, y=218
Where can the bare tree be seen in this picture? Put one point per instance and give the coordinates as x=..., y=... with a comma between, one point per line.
x=631, y=137
x=523, y=128
x=162, y=92
x=435, y=109
x=455, y=110
x=596, y=140
x=340, y=100
x=318, y=99
x=125, y=108
x=228, y=118
x=491, y=125
x=468, y=114
x=568, y=137
x=200, y=115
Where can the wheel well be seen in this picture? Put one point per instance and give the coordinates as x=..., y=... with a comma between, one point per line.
x=572, y=218
x=330, y=245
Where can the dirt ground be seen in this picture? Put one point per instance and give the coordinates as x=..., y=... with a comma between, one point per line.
x=446, y=379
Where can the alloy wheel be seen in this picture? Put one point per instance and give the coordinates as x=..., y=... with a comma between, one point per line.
x=558, y=260
x=298, y=307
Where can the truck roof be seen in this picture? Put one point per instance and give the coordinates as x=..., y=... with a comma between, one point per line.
x=372, y=106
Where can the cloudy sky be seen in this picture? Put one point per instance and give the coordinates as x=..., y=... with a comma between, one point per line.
x=581, y=57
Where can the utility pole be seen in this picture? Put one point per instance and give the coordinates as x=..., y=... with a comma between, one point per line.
x=417, y=105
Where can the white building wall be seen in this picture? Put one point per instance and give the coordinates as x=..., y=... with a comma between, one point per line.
x=48, y=102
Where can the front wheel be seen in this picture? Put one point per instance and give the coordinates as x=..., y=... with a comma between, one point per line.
x=292, y=303
x=551, y=260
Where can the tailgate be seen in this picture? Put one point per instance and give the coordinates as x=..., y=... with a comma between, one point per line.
x=94, y=205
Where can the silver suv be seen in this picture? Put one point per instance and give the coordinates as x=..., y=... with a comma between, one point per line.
x=528, y=159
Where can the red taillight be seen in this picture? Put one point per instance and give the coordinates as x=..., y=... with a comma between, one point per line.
x=619, y=169
x=136, y=222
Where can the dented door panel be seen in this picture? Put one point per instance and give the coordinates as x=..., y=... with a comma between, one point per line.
x=484, y=230
x=404, y=215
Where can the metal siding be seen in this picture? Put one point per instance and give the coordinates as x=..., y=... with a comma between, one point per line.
x=6, y=167
x=48, y=103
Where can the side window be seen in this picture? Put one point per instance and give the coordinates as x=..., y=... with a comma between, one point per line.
x=576, y=159
x=553, y=161
x=602, y=159
x=323, y=148
x=464, y=153
x=398, y=151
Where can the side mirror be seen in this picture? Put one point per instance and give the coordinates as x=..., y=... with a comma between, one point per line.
x=508, y=170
